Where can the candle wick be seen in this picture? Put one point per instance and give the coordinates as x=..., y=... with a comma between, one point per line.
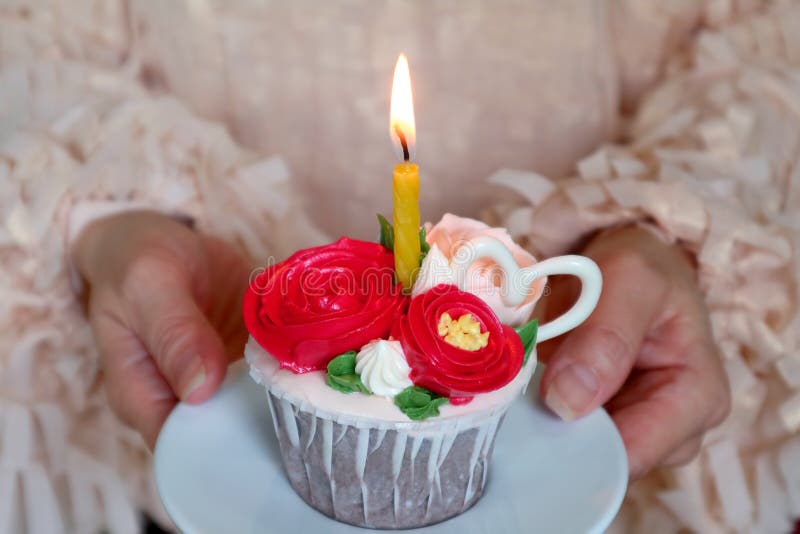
x=403, y=142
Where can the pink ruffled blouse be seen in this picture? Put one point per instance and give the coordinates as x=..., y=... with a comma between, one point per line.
x=244, y=114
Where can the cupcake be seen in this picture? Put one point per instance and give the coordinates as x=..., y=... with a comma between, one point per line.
x=386, y=403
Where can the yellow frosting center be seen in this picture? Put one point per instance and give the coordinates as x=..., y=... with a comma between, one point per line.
x=464, y=333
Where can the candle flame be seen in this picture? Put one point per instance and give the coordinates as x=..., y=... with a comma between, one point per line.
x=401, y=116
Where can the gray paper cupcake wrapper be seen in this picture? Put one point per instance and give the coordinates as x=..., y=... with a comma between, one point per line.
x=380, y=477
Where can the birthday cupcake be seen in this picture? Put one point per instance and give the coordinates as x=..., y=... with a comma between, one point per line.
x=386, y=403
x=389, y=366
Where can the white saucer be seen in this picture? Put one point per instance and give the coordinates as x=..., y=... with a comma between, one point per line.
x=218, y=470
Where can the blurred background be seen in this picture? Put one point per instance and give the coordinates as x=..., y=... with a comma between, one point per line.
x=266, y=123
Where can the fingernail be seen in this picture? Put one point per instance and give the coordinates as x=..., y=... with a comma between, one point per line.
x=572, y=390
x=195, y=384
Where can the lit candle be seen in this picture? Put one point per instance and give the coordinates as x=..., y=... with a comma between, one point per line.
x=405, y=186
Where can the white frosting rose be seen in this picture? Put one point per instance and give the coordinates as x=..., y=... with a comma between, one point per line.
x=483, y=280
x=435, y=270
x=383, y=367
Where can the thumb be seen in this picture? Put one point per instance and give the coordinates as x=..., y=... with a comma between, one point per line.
x=593, y=362
x=187, y=350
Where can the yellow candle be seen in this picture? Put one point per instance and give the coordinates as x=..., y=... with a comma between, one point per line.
x=405, y=189
x=405, y=186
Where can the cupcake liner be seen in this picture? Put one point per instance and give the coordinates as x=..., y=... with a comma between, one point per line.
x=384, y=476
x=359, y=460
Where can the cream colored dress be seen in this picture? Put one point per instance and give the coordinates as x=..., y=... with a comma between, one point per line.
x=267, y=120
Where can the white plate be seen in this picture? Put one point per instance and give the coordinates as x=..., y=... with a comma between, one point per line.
x=218, y=470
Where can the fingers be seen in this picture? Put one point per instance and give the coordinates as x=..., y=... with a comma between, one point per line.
x=661, y=415
x=185, y=347
x=136, y=391
x=592, y=363
x=228, y=279
x=662, y=412
x=685, y=453
x=650, y=332
x=154, y=284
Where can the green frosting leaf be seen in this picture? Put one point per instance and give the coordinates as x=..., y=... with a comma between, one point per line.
x=347, y=384
x=527, y=334
x=343, y=364
x=387, y=232
x=423, y=240
x=342, y=374
x=419, y=403
x=387, y=237
x=424, y=247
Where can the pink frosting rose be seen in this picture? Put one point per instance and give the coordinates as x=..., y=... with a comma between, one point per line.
x=484, y=276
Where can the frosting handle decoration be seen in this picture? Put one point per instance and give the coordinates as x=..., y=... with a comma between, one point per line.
x=516, y=281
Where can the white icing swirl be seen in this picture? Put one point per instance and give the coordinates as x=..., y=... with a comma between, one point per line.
x=435, y=270
x=383, y=367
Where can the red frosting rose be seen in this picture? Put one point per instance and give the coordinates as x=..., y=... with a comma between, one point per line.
x=322, y=302
x=446, y=369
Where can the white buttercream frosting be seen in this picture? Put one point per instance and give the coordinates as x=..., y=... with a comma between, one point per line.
x=483, y=279
x=435, y=270
x=309, y=392
x=383, y=367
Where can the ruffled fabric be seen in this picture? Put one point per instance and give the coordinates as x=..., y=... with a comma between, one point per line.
x=712, y=161
x=96, y=145
x=315, y=89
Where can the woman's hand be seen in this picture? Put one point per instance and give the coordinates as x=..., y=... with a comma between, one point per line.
x=646, y=352
x=165, y=308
